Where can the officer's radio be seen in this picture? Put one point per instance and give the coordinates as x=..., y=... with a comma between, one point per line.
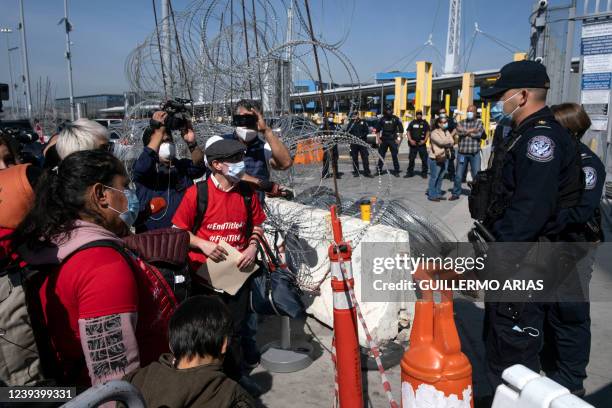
x=480, y=195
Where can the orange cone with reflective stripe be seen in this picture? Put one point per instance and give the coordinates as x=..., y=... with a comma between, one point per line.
x=348, y=363
x=434, y=370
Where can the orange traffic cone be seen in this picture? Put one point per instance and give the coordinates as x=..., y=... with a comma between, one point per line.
x=300, y=154
x=348, y=362
x=434, y=370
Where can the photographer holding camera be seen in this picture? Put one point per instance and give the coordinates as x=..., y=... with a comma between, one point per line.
x=158, y=172
x=262, y=153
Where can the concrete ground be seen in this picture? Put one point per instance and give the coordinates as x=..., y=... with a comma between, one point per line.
x=314, y=386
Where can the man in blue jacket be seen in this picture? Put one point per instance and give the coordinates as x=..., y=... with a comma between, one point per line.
x=158, y=173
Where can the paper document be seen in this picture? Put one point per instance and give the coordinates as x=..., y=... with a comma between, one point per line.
x=225, y=275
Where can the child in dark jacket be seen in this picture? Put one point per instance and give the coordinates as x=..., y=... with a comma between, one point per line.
x=192, y=375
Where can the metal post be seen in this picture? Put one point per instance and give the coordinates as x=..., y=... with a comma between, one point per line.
x=286, y=66
x=166, y=47
x=7, y=31
x=322, y=97
x=126, y=105
x=68, y=27
x=569, y=46
x=26, y=64
x=453, y=38
x=289, y=49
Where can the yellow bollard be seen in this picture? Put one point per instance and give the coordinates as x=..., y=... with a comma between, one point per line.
x=366, y=210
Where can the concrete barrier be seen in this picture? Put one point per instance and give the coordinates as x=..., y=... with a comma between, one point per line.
x=527, y=389
x=307, y=251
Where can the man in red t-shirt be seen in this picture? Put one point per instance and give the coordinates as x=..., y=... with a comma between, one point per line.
x=226, y=219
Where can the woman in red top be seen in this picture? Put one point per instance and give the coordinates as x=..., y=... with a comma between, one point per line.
x=101, y=318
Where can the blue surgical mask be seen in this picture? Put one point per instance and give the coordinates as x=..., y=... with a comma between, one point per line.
x=444, y=125
x=133, y=206
x=470, y=115
x=498, y=114
x=235, y=171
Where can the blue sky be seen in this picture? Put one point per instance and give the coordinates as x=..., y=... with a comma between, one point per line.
x=381, y=32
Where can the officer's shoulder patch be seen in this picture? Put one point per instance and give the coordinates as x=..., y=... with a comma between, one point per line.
x=541, y=149
x=590, y=178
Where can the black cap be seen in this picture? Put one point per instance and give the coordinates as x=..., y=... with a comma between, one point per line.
x=224, y=149
x=518, y=74
x=418, y=113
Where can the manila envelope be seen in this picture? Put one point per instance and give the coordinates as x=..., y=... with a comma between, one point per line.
x=225, y=275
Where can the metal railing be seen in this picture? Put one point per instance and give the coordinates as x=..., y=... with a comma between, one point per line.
x=120, y=391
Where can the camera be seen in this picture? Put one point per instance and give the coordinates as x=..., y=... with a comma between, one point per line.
x=21, y=135
x=178, y=113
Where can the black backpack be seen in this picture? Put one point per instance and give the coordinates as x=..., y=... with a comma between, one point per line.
x=202, y=198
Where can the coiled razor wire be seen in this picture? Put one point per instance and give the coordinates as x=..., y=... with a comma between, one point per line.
x=204, y=54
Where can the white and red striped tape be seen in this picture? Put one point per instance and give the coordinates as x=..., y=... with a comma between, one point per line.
x=373, y=347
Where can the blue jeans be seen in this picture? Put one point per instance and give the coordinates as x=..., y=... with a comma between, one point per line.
x=462, y=161
x=437, y=171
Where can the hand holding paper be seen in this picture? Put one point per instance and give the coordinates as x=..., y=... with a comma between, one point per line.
x=226, y=275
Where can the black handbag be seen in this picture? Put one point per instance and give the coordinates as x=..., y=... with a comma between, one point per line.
x=274, y=289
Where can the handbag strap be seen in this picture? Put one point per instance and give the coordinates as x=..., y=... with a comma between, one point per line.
x=267, y=251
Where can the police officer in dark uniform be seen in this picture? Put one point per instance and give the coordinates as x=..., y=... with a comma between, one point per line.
x=387, y=129
x=359, y=128
x=567, y=329
x=330, y=154
x=417, y=135
x=533, y=175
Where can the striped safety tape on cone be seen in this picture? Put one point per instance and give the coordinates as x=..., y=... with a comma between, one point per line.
x=373, y=347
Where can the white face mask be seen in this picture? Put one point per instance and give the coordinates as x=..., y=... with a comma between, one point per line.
x=246, y=134
x=470, y=115
x=167, y=151
x=234, y=171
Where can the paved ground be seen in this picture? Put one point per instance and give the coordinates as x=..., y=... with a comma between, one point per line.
x=314, y=386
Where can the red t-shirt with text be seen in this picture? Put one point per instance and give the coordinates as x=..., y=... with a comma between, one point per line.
x=225, y=218
x=96, y=282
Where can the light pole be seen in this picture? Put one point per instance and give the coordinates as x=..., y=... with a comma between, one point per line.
x=8, y=31
x=68, y=28
x=26, y=64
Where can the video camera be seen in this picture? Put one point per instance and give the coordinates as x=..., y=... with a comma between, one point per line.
x=23, y=138
x=178, y=113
